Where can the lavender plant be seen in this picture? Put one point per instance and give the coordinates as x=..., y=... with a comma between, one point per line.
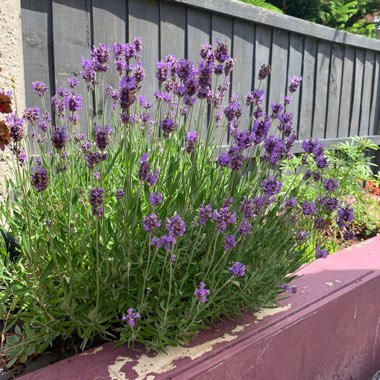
x=342, y=183
x=136, y=223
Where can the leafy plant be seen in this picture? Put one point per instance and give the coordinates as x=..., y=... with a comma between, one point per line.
x=351, y=167
x=147, y=229
x=350, y=15
x=262, y=4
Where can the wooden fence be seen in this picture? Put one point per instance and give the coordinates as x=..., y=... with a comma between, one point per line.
x=340, y=94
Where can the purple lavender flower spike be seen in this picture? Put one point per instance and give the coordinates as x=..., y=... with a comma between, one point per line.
x=191, y=138
x=205, y=212
x=260, y=129
x=223, y=217
x=245, y=227
x=229, y=242
x=100, y=57
x=274, y=149
x=161, y=71
x=16, y=127
x=237, y=269
x=233, y=109
x=349, y=235
x=151, y=222
x=92, y=158
x=330, y=184
x=202, y=292
x=155, y=199
x=137, y=43
x=156, y=242
x=228, y=202
x=302, y=235
x=130, y=317
x=73, y=82
x=44, y=121
x=73, y=102
x=175, y=225
x=145, y=174
x=256, y=97
x=168, y=242
x=313, y=146
x=102, y=136
x=96, y=198
x=144, y=103
x=39, y=178
x=63, y=91
x=58, y=137
x=40, y=87
x=32, y=114
x=345, y=216
x=88, y=72
x=294, y=83
x=308, y=208
x=58, y=105
x=321, y=253
x=264, y=71
x=246, y=207
x=271, y=186
x=287, y=100
x=290, y=202
x=168, y=125
x=276, y=109
x=224, y=160
x=119, y=194
x=228, y=66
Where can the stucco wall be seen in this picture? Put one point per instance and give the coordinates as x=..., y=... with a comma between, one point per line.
x=11, y=62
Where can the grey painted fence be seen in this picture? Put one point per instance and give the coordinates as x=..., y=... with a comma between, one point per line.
x=340, y=95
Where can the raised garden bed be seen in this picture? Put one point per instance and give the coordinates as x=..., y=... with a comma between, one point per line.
x=328, y=330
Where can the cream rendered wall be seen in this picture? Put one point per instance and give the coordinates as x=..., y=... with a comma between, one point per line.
x=11, y=62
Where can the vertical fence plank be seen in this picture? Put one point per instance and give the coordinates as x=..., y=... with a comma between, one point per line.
x=173, y=29
x=347, y=91
x=367, y=89
x=72, y=36
x=72, y=40
x=358, y=83
x=38, y=64
x=321, y=90
x=335, y=84
x=263, y=54
x=144, y=22
x=307, y=88
x=295, y=68
x=374, y=121
x=222, y=28
x=278, y=78
x=198, y=32
x=109, y=21
x=110, y=25
x=244, y=40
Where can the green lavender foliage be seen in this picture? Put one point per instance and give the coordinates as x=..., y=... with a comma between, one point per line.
x=79, y=273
